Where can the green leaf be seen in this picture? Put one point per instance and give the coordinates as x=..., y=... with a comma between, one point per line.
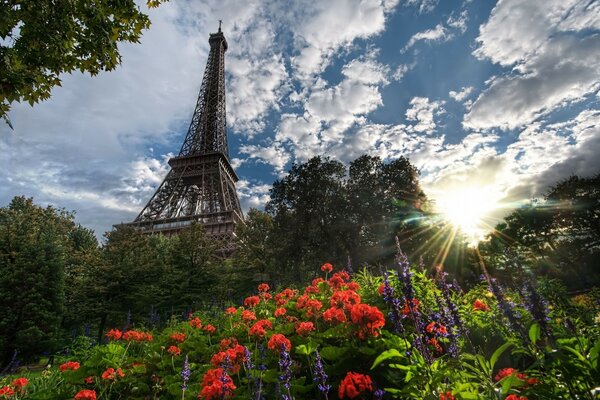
x=386, y=355
x=306, y=349
x=534, y=333
x=497, y=354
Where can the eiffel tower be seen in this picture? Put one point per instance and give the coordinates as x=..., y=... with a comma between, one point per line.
x=201, y=183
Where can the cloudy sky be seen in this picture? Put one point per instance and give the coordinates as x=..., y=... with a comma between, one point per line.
x=496, y=99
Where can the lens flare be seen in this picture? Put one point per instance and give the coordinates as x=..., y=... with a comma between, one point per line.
x=468, y=208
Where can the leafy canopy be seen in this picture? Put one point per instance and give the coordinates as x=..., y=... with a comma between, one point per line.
x=42, y=39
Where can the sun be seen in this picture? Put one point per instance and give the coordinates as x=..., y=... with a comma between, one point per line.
x=468, y=208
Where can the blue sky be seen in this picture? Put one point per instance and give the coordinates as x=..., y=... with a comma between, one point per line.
x=496, y=100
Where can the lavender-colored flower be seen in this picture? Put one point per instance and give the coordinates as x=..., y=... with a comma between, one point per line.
x=449, y=314
x=405, y=276
x=507, y=308
x=185, y=375
x=395, y=305
x=378, y=394
x=225, y=365
x=261, y=358
x=450, y=305
x=285, y=364
x=320, y=377
x=538, y=308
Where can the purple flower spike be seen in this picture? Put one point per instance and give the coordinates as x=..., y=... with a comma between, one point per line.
x=320, y=376
x=185, y=374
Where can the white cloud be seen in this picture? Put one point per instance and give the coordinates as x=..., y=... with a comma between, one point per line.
x=321, y=28
x=462, y=94
x=273, y=155
x=437, y=34
x=440, y=33
x=424, y=6
x=252, y=194
x=423, y=110
x=401, y=71
x=367, y=71
x=552, y=64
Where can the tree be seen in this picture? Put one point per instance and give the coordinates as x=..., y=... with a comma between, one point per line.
x=42, y=39
x=194, y=264
x=255, y=255
x=309, y=210
x=322, y=212
x=34, y=246
x=558, y=236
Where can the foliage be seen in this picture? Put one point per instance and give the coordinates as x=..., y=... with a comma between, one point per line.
x=323, y=210
x=558, y=237
x=401, y=335
x=34, y=247
x=42, y=39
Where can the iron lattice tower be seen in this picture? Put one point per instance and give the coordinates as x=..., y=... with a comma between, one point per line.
x=201, y=183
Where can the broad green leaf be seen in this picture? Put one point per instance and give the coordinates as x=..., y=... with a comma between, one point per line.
x=386, y=355
x=534, y=333
x=306, y=349
x=497, y=354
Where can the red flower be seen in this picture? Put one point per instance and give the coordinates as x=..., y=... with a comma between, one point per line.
x=178, y=337
x=334, y=314
x=504, y=372
x=231, y=311
x=69, y=366
x=436, y=327
x=435, y=344
x=479, y=305
x=137, y=336
x=369, y=320
x=216, y=385
x=305, y=328
x=277, y=341
x=233, y=355
x=248, y=316
x=20, y=383
x=338, y=279
x=344, y=299
x=85, y=394
x=89, y=380
x=285, y=296
x=111, y=373
x=353, y=286
x=210, y=329
x=280, y=311
x=312, y=306
x=195, y=323
x=114, y=334
x=447, y=396
x=259, y=328
x=263, y=287
x=226, y=343
x=252, y=301
x=354, y=385
x=174, y=350
x=7, y=391
x=407, y=308
x=381, y=288
x=327, y=268
x=515, y=397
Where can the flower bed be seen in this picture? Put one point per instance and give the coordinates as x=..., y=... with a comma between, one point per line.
x=402, y=335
